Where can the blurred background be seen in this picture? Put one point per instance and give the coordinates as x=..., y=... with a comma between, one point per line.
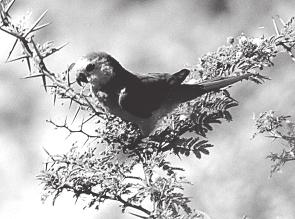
x=149, y=36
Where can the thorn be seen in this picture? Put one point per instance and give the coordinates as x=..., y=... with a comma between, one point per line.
x=18, y=58
x=282, y=21
x=78, y=110
x=13, y=47
x=46, y=166
x=40, y=27
x=68, y=78
x=35, y=24
x=275, y=26
x=49, y=154
x=88, y=119
x=9, y=6
x=33, y=76
x=54, y=50
x=2, y=16
x=93, y=140
x=44, y=82
x=29, y=64
x=71, y=103
x=68, y=136
x=54, y=97
x=137, y=215
x=10, y=33
x=51, y=86
x=86, y=141
x=62, y=46
x=82, y=122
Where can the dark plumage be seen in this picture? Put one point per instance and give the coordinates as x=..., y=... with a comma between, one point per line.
x=141, y=98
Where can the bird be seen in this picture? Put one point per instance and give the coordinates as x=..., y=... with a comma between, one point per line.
x=142, y=99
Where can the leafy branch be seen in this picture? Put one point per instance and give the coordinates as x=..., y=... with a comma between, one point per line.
x=119, y=163
x=279, y=128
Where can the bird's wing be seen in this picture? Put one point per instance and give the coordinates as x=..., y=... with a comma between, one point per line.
x=132, y=101
x=164, y=78
x=144, y=97
x=178, y=77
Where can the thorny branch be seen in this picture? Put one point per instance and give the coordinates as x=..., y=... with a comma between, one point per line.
x=72, y=131
x=112, y=174
x=33, y=52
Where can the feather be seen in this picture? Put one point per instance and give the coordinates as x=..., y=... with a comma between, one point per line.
x=141, y=98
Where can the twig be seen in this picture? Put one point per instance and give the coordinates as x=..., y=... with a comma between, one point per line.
x=65, y=126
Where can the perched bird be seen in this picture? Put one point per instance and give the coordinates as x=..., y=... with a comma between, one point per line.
x=140, y=98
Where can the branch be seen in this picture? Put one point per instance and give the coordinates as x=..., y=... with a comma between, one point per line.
x=37, y=54
x=116, y=198
x=277, y=127
x=71, y=131
x=112, y=170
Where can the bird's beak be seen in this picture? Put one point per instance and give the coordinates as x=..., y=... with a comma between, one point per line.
x=81, y=78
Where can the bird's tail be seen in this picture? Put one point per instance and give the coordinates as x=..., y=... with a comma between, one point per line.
x=187, y=92
x=216, y=84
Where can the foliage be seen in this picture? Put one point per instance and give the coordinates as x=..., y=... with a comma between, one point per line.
x=279, y=128
x=116, y=162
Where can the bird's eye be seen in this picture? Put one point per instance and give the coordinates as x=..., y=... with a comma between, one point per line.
x=90, y=67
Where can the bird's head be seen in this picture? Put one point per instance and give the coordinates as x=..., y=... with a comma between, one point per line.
x=95, y=68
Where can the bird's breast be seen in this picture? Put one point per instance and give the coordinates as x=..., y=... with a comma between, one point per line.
x=146, y=124
x=111, y=104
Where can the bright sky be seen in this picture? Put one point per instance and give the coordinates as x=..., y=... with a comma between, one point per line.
x=148, y=36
